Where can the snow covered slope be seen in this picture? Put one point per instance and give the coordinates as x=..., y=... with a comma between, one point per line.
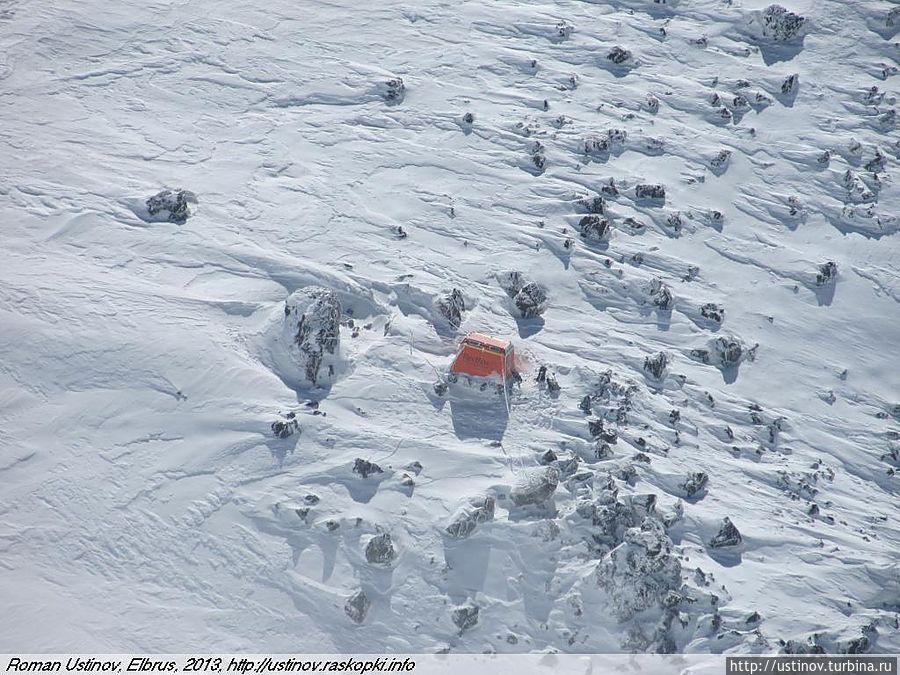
x=148, y=503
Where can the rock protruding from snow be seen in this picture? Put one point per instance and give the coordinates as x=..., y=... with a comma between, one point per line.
x=364, y=467
x=619, y=56
x=593, y=227
x=827, y=273
x=780, y=24
x=380, y=549
x=531, y=300
x=357, y=607
x=535, y=486
x=727, y=535
x=713, y=312
x=650, y=191
x=592, y=204
x=312, y=328
x=286, y=427
x=451, y=305
x=695, y=483
x=478, y=510
x=724, y=352
x=641, y=572
x=661, y=295
x=656, y=365
x=465, y=616
x=393, y=90
x=511, y=281
x=175, y=205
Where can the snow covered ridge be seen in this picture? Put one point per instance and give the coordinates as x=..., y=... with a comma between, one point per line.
x=241, y=245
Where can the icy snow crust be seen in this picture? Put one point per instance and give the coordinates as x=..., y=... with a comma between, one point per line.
x=145, y=502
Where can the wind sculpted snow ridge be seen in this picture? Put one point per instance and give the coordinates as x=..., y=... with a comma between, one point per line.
x=704, y=190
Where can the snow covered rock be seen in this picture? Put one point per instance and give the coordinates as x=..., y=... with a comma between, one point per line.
x=592, y=204
x=357, y=607
x=648, y=191
x=724, y=352
x=286, y=427
x=656, y=365
x=720, y=160
x=380, y=549
x=478, y=510
x=465, y=616
x=174, y=205
x=713, y=312
x=695, y=483
x=619, y=56
x=661, y=295
x=451, y=305
x=392, y=90
x=640, y=572
x=779, y=24
x=531, y=300
x=511, y=281
x=790, y=85
x=727, y=535
x=364, y=467
x=535, y=486
x=827, y=273
x=312, y=319
x=593, y=227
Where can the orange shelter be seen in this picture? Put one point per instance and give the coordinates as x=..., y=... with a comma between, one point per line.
x=482, y=355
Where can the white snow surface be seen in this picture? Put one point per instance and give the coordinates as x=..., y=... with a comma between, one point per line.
x=145, y=504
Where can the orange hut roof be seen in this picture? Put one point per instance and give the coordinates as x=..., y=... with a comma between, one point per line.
x=483, y=355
